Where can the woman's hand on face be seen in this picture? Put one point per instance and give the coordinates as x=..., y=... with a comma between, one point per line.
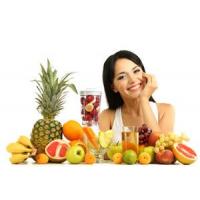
x=149, y=86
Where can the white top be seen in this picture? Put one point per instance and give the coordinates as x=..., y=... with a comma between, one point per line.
x=118, y=122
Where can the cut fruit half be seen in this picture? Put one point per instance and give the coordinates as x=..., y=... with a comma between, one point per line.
x=184, y=154
x=105, y=138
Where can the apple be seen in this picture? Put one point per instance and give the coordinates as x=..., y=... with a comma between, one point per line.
x=150, y=151
x=129, y=157
x=165, y=157
x=114, y=148
x=154, y=136
x=75, y=154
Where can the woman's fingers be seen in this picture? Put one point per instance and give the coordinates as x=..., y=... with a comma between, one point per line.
x=151, y=80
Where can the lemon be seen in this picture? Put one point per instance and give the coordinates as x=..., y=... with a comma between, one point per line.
x=105, y=138
x=89, y=107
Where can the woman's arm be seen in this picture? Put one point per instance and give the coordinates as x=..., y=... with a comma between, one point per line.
x=166, y=117
x=104, y=120
x=166, y=111
x=149, y=116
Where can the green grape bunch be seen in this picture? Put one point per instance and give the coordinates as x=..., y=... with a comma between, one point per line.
x=166, y=141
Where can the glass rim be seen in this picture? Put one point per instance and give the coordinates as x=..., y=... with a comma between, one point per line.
x=129, y=128
x=90, y=92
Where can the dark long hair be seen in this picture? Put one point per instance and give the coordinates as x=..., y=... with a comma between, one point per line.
x=114, y=100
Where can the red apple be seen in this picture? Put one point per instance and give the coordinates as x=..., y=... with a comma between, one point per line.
x=154, y=136
x=165, y=157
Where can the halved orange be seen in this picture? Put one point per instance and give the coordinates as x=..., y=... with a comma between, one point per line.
x=184, y=154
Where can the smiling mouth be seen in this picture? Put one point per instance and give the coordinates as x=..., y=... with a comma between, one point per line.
x=134, y=87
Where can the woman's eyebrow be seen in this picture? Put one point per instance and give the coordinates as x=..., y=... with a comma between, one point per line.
x=125, y=72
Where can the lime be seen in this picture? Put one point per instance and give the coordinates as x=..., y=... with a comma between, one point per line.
x=105, y=138
x=130, y=157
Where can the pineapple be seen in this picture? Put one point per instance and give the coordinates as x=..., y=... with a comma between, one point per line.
x=50, y=98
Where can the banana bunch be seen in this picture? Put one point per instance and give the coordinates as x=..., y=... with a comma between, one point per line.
x=21, y=150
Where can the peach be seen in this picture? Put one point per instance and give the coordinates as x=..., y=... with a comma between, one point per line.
x=153, y=138
x=165, y=157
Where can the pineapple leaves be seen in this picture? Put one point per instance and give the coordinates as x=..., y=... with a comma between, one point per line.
x=73, y=87
x=51, y=91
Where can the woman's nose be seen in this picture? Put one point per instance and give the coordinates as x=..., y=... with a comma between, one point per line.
x=132, y=78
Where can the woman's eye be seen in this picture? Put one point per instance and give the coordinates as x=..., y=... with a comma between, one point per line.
x=136, y=71
x=121, y=77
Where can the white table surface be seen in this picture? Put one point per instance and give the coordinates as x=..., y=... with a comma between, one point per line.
x=99, y=181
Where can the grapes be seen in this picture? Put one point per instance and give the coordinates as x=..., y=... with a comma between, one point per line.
x=144, y=133
x=166, y=141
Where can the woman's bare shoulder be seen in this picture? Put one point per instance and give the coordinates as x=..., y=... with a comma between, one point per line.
x=107, y=113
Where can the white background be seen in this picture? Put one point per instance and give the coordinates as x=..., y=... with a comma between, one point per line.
x=78, y=36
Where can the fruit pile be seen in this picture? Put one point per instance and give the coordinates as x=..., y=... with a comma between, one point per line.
x=81, y=144
x=90, y=106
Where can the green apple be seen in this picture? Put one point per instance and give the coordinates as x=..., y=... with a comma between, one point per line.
x=75, y=154
x=150, y=151
x=129, y=157
x=114, y=148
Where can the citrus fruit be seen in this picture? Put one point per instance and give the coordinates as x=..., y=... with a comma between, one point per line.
x=42, y=158
x=56, y=150
x=117, y=158
x=144, y=158
x=184, y=154
x=89, y=158
x=129, y=157
x=72, y=130
x=89, y=107
x=105, y=138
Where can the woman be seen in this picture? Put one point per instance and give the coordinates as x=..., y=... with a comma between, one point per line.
x=129, y=92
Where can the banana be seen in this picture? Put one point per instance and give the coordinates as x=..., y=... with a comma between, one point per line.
x=17, y=148
x=25, y=141
x=18, y=158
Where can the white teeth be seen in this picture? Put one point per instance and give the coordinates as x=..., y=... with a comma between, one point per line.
x=134, y=87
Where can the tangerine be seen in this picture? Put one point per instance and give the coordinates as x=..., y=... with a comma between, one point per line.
x=42, y=158
x=90, y=158
x=144, y=158
x=72, y=130
x=117, y=158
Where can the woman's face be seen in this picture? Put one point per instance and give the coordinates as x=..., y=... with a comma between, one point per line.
x=128, y=78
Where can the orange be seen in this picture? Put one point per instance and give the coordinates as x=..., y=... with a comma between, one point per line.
x=90, y=158
x=117, y=158
x=72, y=130
x=184, y=154
x=42, y=158
x=79, y=142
